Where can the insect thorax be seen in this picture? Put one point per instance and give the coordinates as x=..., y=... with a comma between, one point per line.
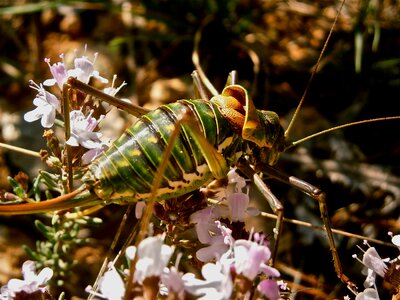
x=275, y=140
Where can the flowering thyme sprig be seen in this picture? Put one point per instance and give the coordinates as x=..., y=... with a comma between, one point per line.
x=83, y=123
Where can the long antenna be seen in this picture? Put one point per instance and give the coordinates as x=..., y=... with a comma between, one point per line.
x=292, y=144
x=313, y=73
x=196, y=59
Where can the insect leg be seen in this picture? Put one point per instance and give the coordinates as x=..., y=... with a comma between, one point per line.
x=215, y=160
x=67, y=97
x=317, y=194
x=273, y=202
x=131, y=108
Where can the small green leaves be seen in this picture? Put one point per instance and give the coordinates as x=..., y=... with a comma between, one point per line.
x=17, y=187
x=61, y=239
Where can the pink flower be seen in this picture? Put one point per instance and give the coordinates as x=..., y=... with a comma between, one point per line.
x=216, y=247
x=217, y=283
x=208, y=233
x=172, y=279
x=250, y=259
x=269, y=288
x=83, y=71
x=59, y=72
x=91, y=154
x=82, y=131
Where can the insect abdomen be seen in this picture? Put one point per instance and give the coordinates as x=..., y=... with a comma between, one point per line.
x=128, y=168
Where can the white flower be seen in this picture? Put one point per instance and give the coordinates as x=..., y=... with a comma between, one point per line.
x=373, y=261
x=153, y=257
x=396, y=239
x=368, y=294
x=111, y=285
x=238, y=181
x=373, y=265
x=112, y=91
x=30, y=284
x=47, y=105
x=84, y=69
x=130, y=253
x=217, y=283
x=82, y=131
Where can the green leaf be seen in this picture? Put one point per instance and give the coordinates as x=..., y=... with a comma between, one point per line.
x=17, y=188
x=47, y=231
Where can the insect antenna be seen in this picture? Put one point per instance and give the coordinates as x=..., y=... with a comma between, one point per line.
x=313, y=73
x=196, y=61
x=295, y=143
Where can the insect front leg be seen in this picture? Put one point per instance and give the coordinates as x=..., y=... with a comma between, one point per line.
x=318, y=195
x=273, y=202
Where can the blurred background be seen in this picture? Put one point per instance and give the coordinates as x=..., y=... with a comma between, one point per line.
x=274, y=46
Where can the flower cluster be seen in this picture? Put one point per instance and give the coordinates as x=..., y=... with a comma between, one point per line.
x=229, y=277
x=83, y=125
x=232, y=268
x=236, y=210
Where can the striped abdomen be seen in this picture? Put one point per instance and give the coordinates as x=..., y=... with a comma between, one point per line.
x=127, y=169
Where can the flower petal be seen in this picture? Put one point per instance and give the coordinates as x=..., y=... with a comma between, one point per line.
x=373, y=261
x=111, y=285
x=368, y=294
x=48, y=117
x=269, y=288
x=44, y=276
x=33, y=115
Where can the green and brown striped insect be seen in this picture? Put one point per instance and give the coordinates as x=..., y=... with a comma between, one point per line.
x=214, y=136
